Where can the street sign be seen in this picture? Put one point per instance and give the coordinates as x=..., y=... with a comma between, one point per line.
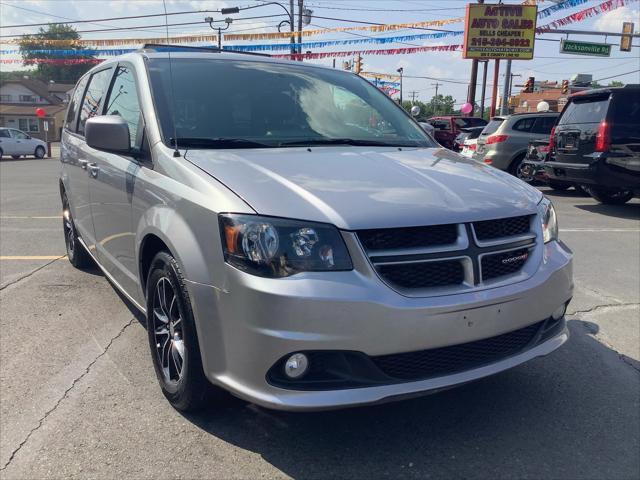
x=500, y=31
x=585, y=48
x=45, y=124
x=625, y=40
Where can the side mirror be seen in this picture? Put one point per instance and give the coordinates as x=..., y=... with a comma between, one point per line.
x=415, y=110
x=109, y=133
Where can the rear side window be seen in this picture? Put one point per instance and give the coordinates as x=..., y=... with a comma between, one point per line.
x=4, y=134
x=585, y=111
x=92, y=99
x=626, y=109
x=543, y=125
x=492, y=126
x=440, y=124
x=72, y=112
x=524, y=125
x=468, y=122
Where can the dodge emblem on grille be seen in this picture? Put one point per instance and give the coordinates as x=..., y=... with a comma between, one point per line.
x=523, y=257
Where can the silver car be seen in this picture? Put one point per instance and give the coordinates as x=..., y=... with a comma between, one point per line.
x=294, y=237
x=17, y=143
x=504, y=141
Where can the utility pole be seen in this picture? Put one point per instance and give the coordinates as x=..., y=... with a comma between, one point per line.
x=494, y=90
x=504, y=107
x=471, y=96
x=400, y=71
x=413, y=95
x=484, y=86
x=300, y=8
x=437, y=101
x=292, y=25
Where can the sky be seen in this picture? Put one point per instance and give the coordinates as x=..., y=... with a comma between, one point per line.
x=450, y=70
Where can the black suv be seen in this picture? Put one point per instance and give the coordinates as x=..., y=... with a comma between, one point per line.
x=596, y=142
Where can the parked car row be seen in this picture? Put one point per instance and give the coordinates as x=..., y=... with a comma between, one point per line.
x=17, y=143
x=592, y=145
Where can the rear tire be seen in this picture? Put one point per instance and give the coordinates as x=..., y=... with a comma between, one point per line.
x=514, y=168
x=173, y=339
x=39, y=153
x=76, y=253
x=558, y=185
x=611, y=196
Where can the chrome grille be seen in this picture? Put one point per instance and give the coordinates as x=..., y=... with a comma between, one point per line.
x=439, y=259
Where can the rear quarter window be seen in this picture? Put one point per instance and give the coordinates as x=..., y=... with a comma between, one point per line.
x=592, y=110
x=626, y=109
x=492, y=126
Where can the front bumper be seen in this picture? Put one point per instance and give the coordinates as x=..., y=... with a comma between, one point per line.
x=250, y=323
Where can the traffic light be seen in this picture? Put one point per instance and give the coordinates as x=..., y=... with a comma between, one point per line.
x=528, y=87
x=358, y=64
x=565, y=87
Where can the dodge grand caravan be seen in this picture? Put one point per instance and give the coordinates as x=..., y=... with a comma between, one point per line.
x=294, y=237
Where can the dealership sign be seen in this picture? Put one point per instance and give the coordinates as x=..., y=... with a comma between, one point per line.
x=500, y=31
x=585, y=48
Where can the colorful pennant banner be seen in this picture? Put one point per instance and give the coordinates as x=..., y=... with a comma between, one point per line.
x=387, y=51
x=582, y=15
x=208, y=38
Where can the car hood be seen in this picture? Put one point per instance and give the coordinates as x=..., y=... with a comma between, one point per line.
x=368, y=187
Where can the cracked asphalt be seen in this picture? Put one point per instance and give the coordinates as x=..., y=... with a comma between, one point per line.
x=79, y=399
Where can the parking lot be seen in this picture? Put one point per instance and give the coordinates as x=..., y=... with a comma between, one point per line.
x=79, y=396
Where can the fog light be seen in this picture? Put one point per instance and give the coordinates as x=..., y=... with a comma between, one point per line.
x=296, y=366
x=559, y=313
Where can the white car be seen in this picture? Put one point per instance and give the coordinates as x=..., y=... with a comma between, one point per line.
x=427, y=127
x=469, y=147
x=17, y=143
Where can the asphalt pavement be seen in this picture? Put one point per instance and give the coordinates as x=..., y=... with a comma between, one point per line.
x=79, y=398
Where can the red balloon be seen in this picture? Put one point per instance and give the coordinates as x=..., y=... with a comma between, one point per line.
x=40, y=112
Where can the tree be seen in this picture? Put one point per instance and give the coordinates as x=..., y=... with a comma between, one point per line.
x=61, y=73
x=441, y=105
x=616, y=83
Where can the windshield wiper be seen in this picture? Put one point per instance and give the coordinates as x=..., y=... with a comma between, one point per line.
x=204, y=142
x=342, y=141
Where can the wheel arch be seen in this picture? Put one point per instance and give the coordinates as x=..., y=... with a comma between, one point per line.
x=162, y=228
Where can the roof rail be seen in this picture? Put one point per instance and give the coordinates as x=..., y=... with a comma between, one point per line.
x=159, y=47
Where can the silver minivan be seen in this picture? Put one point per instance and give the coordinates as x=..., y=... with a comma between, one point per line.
x=295, y=238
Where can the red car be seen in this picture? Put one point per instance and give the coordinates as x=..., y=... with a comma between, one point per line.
x=448, y=127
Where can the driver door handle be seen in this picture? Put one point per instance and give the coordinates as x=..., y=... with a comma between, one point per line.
x=83, y=163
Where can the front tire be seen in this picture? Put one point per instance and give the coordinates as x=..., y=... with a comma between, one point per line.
x=76, y=253
x=40, y=151
x=611, y=196
x=173, y=339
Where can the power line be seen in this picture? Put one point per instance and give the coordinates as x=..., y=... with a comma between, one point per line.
x=140, y=27
x=615, y=76
x=70, y=21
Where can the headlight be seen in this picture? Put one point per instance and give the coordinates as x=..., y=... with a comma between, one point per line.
x=275, y=247
x=548, y=220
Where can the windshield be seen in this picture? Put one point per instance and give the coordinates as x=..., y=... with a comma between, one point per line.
x=252, y=104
